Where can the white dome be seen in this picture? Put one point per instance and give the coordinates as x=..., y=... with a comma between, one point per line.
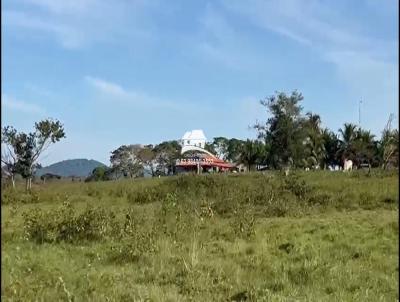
x=194, y=138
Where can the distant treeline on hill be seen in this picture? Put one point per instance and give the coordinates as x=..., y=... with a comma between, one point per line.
x=71, y=168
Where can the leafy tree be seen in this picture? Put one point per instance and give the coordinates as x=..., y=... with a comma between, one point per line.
x=234, y=150
x=166, y=154
x=220, y=146
x=148, y=158
x=283, y=131
x=331, y=145
x=365, y=147
x=27, y=148
x=251, y=153
x=101, y=173
x=125, y=160
x=210, y=148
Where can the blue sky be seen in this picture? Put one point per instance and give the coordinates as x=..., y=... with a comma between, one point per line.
x=122, y=72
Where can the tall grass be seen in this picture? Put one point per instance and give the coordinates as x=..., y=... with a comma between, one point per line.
x=320, y=236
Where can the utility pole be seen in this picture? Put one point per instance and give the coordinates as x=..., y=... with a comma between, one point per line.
x=359, y=113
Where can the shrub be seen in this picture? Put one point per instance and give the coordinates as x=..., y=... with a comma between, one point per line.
x=140, y=244
x=299, y=188
x=65, y=225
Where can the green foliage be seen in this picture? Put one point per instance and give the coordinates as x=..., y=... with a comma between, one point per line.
x=66, y=225
x=296, y=186
x=283, y=131
x=294, y=139
x=252, y=153
x=206, y=238
x=24, y=149
x=125, y=161
x=101, y=173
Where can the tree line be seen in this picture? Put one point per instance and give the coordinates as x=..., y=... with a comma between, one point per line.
x=289, y=138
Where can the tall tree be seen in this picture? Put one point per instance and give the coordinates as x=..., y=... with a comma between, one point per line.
x=148, y=158
x=125, y=160
x=365, y=147
x=331, y=145
x=234, y=149
x=314, y=142
x=166, y=154
x=27, y=148
x=220, y=145
x=348, y=136
x=283, y=131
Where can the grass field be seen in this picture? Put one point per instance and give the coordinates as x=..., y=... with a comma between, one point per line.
x=316, y=236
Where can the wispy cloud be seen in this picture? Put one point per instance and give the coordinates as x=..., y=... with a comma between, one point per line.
x=364, y=63
x=114, y=92
x=314, y=23
x=107, y=87
x=20, y=106
x=68, y=37
x=218, y=41
x=79, y=23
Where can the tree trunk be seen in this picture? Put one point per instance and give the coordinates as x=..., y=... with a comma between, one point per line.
x=27, y=185
x=13, y=181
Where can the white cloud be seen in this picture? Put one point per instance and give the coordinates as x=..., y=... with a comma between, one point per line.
x=219, y=41
x=111, y=91
x=365, y=64
x=68, y=37
x=107, y=87
x=21, y=106
x=80, y=23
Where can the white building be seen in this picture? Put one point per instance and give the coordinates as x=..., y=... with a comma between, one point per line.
x=194, y=138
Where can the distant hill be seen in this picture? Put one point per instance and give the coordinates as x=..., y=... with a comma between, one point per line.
x=71, y=167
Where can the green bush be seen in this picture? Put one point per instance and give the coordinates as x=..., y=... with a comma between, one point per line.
x=66, y=225
x=297, y=186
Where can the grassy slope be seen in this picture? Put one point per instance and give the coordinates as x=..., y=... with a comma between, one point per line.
x=343, y=249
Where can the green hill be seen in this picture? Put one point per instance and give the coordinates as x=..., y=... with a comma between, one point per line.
x=71, y=167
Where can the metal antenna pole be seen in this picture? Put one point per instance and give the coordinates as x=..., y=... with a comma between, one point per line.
x=359, y=113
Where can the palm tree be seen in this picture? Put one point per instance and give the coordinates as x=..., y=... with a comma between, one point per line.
x=314, y=143
x=364, y=146
x=314, y=121
x=251, y=153
x=331, y=145
x=349, y=135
